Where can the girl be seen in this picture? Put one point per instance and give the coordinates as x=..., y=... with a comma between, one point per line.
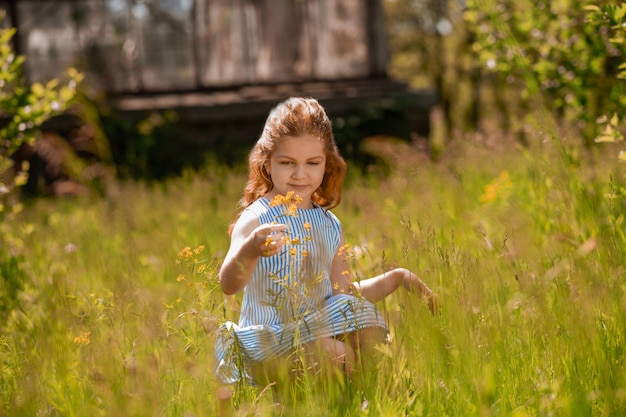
x=287, y=255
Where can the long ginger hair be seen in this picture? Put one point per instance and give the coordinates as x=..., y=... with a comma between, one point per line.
x=295, y=116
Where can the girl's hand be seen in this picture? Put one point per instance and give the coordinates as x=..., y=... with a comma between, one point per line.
x=267, y=239
x=433, y=304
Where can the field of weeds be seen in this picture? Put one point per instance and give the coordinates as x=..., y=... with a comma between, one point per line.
x=115, y=303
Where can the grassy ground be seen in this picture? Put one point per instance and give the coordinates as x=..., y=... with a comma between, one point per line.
x=525, y=247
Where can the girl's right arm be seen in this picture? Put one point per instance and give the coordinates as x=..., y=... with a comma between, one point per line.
x=249, y=241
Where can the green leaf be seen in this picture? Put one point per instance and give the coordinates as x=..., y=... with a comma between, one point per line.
x=6, y=35
x=620, y=12
x=66, y=93
x=605, y=139
x=38, y=89
x=602, y=119
x=591, y=8
x=608, y=135
x=52, y=84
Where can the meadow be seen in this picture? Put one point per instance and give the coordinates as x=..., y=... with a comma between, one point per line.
x=116, y=302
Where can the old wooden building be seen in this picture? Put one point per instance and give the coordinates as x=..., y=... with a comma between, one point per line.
x=221, y=64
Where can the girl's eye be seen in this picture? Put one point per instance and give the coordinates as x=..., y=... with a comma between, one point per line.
x=286, y=162
x=314, y=163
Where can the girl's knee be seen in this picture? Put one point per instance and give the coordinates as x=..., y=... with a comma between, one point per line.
x=340, y=353
x=333, y=352
x=367, y=337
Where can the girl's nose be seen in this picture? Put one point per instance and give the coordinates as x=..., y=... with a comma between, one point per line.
x=298, y=171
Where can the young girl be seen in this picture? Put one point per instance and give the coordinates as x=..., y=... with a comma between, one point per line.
x=287, y=255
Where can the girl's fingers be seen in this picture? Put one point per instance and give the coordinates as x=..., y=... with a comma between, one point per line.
x=272, y=236
x=271, y=228
x=271, y=247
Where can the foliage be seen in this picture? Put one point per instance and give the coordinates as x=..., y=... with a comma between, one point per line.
x=523, y=251
x=431, y=48
x=550, y=51
x=504, y=58
x=24, y=109
x=613, y=17
x=149, y=148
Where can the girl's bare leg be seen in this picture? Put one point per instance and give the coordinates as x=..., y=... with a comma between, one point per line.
x=364, y=340
x=329, y=355
x=324, y=358
x=277, y=374
x=364, y=343
x=224, y=396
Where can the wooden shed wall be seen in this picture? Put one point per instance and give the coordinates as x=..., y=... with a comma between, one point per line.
x=165, y=45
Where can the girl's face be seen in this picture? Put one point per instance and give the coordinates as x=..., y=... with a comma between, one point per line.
x=297, y=164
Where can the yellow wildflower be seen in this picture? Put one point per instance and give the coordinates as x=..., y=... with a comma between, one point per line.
x=305, y=253
x=343, y=248
x=198, y=250
x=498, y=189
x=336, y=285
x=307, y=226
x=268, y=241
x=274, y=202
x=295, y=241
x=83, y=339
x=289, y=200
x=277, y=200
x=292, y=251
x=180, y=277
x=185, y=253
x=280, y=199
x=345, y=272
x=292, y=210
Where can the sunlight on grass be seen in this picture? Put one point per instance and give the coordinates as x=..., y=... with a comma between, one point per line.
x=525, y=248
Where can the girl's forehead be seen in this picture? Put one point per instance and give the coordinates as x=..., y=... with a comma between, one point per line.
x=299, y=145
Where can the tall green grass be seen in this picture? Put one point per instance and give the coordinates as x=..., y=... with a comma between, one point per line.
x=525, y=247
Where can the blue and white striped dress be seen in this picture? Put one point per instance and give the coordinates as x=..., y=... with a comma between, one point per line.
x=288, y=301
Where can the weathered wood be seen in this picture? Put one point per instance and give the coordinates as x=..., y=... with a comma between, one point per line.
x=222, y=120
x=164, y=46
x=221, y=65
x=254, y=100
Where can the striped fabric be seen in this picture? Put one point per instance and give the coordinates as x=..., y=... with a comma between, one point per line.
x=289, y=301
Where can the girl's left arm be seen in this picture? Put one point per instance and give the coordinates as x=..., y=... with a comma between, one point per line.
x=377, y=288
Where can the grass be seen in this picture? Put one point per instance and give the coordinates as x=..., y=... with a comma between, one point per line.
x=525, y=247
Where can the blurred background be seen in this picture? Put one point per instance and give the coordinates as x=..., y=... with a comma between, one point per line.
x=174, y=81
x=168, y=85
